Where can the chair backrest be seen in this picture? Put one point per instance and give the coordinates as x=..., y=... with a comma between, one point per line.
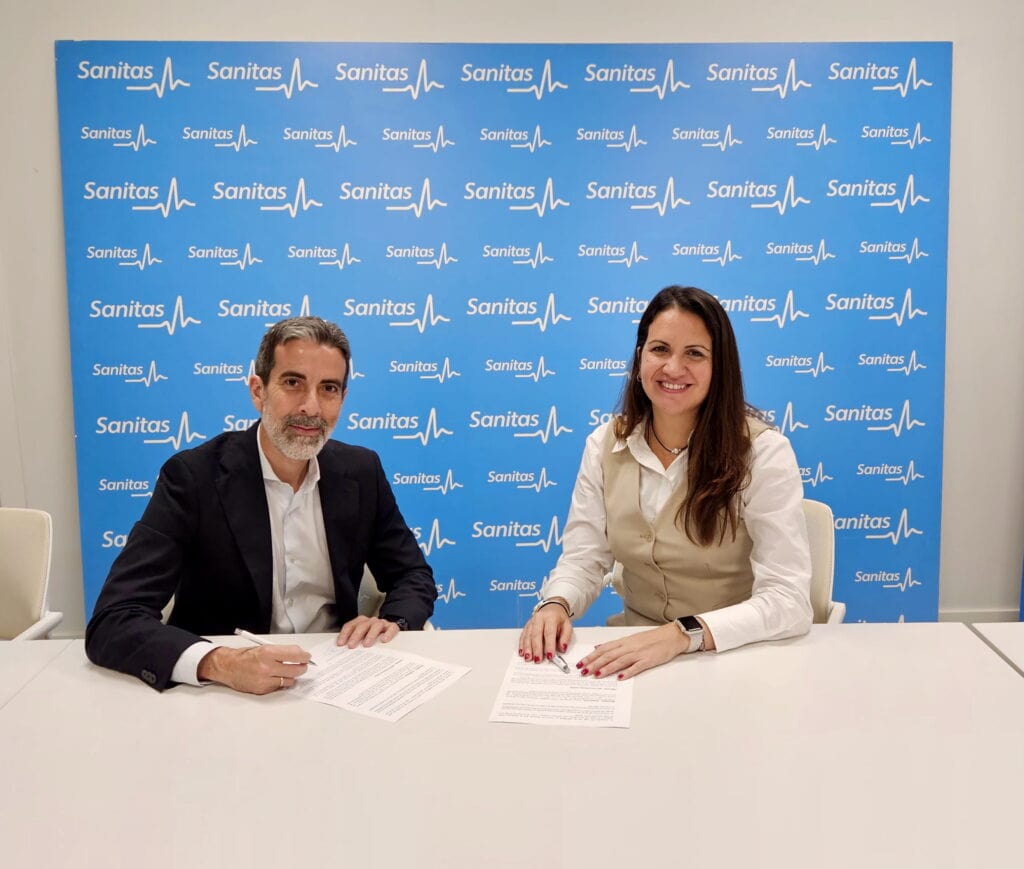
x=25, y=539
x=822, y=535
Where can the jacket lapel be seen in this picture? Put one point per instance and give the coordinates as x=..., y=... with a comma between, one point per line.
x=339, y=498
x=241, y=490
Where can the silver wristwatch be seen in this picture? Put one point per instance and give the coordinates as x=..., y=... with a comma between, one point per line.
x=692, y=628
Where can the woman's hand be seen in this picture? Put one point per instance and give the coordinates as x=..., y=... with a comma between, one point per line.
x=548, y=631
x=635, y=653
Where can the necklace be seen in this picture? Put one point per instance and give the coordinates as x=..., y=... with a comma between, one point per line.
x=674, y=450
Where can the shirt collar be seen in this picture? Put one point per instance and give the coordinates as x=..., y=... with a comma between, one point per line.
x=636, y=443
x=312, y=472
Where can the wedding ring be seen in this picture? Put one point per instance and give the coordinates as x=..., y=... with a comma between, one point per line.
x=282, y=681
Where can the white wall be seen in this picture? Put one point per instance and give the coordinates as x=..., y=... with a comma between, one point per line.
x=983, y=488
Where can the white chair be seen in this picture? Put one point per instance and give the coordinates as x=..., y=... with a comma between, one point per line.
x=25, y=543
x=821, y=534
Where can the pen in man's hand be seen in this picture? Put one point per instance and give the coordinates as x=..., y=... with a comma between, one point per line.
x=559, y=662
x=259, y=641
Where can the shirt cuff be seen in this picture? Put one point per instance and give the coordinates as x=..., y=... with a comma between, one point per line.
x=186, y=670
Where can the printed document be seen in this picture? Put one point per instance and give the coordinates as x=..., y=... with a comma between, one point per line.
x=542, y=694
x=378, y=682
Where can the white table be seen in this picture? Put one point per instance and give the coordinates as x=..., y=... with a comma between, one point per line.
x=1008, y=637
x=21, y=661
x=858, y=745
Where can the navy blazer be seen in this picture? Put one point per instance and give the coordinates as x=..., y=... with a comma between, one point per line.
x=205, y=538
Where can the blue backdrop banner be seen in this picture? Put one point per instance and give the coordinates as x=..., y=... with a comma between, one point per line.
x=486, y=222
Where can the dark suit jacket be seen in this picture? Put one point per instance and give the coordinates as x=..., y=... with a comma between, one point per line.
x=205, y=538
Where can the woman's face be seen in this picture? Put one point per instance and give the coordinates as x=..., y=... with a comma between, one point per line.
x=675, y=363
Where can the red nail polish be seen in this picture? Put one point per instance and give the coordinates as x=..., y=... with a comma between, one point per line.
x=585, y=671
x=550, y=656
x=520, y=653
x=565, y=648
x=536, y=660
x=579, y=664
x=620, y=675
x=598, y=673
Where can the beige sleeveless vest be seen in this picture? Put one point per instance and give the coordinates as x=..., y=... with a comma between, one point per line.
x=664, y=574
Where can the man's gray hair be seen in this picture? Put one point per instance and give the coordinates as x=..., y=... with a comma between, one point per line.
x=305, y=328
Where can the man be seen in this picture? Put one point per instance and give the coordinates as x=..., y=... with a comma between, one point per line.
x=267, y=530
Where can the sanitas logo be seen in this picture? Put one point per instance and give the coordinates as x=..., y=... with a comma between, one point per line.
x=377, y=72
x=869, y=188
x=870, y=71
x=136, y=488
x=625, y=73
x=863, y=522
x=511, y=529
x=113, y=540
x=604, y=134
x=627, y=190
x=387, y=422
x=746, y=190
x=381, y=308
x=217, y=369
x=598, y=417
x=717, y=72
x=239, y=423
x=519, y=254
x=126, y=190
x=369, y=192
x=523, y=587
x=509, y=306
x=510, y=419
x=121, y=70
x=604, y=307
x=748, y=303
x=503, y=191
x=607, y=365
x=249, y=71
x=864, y=413
x=133, y=310
x=863, y=302
x=105, y=425
x=520, y=368
x=503, y=73
x=261, y=308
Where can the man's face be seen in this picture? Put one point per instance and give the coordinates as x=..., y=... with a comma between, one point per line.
x=302, y=399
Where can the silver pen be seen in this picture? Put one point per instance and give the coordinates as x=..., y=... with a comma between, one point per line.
x=259, y=641
x=559, y=662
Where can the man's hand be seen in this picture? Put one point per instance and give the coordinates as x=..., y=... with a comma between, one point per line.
x=548, y=631
x=635, y=653
x=365, y=631
x=257, y=670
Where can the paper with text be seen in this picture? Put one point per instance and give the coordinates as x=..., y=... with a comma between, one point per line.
x=378, y=682
x=543, y=694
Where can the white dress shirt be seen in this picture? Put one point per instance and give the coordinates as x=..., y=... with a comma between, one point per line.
x=779, y=605
x=303, y=585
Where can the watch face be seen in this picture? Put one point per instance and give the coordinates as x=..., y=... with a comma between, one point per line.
x=690, y=623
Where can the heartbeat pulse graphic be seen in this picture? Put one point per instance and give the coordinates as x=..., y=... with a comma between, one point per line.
x=178, y=318
x=546, y=85
x=789, y=198
x=173, y=201
x=141, y=141
x=242, y=140
x=244, y=261
x=915, y=139
x=727, y=141
x=548, y=201
x=344, y=259
x=422, y=84
x=435, y=540
x=429, y=318
x=907, y=311
x=915, y=253
x=669, y=201
x=355, y=375
x=295, y=81
x=819, y=476
x=538, y=258
x=908, y=477
x=536, y=142
x=823, y=140
x=550, y=430
x=789, y=422
x=903, y=531
x=149, y=378
x=300, y=203
x=167, y=80
x=631, y=259
x=541, y=372
x=442, y=258
x=447, y=485
x=633, y=141
x=788, y=314
x=906, y=422
x=819, y=367
x=425, y=202
x=439, y=142
x=343, y=141
x=554, y=538
x=430, y=430
x=542, y=482
x=185, y=434
x=244, y=378
x=146, y=259
x=909, y=199
x=550, y=317
x=668, y=85
x=446, y=373
x=908, y=580
x=727, y=256
x=450, y=593
x=911, y=366
x=789, y=84
x=818, y=257
x=911, y=81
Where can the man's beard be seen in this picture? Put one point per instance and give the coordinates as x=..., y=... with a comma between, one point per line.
x=297, y=447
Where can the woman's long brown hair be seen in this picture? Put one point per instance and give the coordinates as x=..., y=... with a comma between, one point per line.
x=719, y=460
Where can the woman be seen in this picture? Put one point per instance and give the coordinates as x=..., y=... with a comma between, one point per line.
x=693, y=494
